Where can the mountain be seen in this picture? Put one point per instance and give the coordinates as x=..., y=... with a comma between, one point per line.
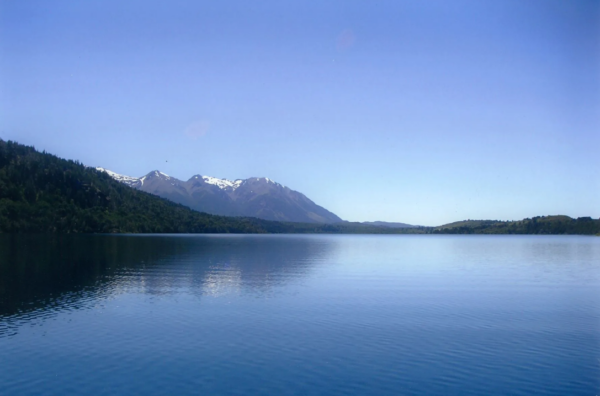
x=40, y=192
x=258, y=197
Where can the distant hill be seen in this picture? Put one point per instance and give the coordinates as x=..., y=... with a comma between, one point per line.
x=468, y=224
x=388, y=224
x=254, y=197
x=558, y=224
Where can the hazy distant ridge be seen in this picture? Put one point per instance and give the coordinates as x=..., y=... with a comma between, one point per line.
x=389, y=224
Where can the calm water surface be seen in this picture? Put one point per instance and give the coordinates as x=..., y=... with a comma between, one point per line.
x=300, y=315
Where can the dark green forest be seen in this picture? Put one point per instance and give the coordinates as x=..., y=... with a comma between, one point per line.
x=543, y=225
x=42, y=193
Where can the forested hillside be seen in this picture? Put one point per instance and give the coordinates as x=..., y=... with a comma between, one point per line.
x=536, y=225
x=40, y=192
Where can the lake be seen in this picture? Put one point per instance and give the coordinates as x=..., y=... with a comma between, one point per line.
x=299, y=315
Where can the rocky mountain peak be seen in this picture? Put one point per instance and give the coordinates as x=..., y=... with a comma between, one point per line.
x=253, y=197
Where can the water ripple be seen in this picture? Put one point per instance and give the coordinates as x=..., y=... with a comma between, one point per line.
x=300, y=315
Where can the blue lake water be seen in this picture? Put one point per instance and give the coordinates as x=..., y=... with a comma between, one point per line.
x=299, y=315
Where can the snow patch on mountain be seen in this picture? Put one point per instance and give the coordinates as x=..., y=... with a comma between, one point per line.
x=270, y=181
x=161, y=174
x=121, y=178
x=222, y=183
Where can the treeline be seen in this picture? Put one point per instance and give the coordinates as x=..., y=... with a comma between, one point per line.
x=544, y=225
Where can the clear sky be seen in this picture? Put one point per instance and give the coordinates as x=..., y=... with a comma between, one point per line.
x=423, y=112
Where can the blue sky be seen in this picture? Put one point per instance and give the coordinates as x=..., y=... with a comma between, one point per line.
x=418, y=112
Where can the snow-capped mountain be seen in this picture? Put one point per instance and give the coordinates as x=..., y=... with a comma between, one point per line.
x=254, y=197
x=130, y=181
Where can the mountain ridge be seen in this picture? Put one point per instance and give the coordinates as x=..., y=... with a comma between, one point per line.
x=259, y=197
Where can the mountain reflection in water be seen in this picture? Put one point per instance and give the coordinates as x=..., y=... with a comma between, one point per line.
x=46, y=273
